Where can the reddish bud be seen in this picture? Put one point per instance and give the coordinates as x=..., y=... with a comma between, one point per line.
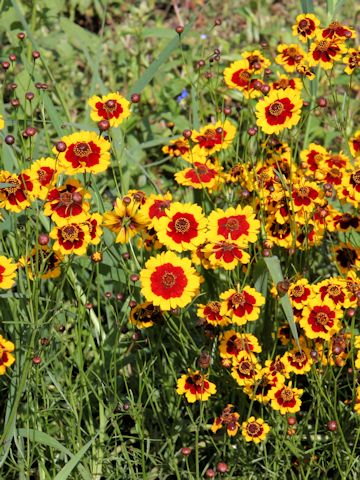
x=29, y=96
x=252, y=131
x=291, y=421
x=15, y=102
x=44, y=342
x=89, y=306
x=265, y=89
x=126, y=255
x=77, y=197
x=217, y=22
x=12, y=57
x=60, y=146
x=36, y=360
x=210, y=473
x=208, y=75
x=222, y=467
x=266, y=252
x=135, y=98
x=119, y=297
x=21, y=35
x=134, y=277
x=268, y=71
x=43, y=239
x=219, y=130
x=132, y=303
x=187, y=133
x=31, y=131
x=227, y=110
x=351, y=312
x=331, y=426
x=179, y=29
x=108, y=294
x=185, y=451
x=322, y=102
x=35, y=54
x=306, y=104
x=264, y=44
x=104, y=125
x=136, y=336
x=200, y=63
x=5, y=65
x=9, y=140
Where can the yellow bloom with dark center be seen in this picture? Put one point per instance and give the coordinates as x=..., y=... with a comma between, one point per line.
x=346, y=256
x=169, y=281
x=298, y=361
x=300, y=292
x=7, y=272
x=241, y=306
x=352, y=60
x=183, y=227
x=112, y=107
x=255, y=430
x=71, y=238
x=306, y=26
x=225, y=254
x=284, y=82
x=228, y=419
x=350, y=191
x=334, y=289
x=306, y=195
x=234, y=224
x=357, y=401
x=126, y=219
x=42, y=262
x=213, y=138
x=234, y=344
x=279, y=110
x=262, y=388
x=145, y=315
x=203, y=174
x=246, y=369
x=155, y=207
x=6, y=347
x=325, y=51
x=195, y=386
x=256, y=60
x=45, y=172
x=180, y=147
x=286, y=399
x=241, y=77
x=210, y=313
x=86, y=152
x=67, y=203
x=321, y=319
x=290, y=55
x=21, y=193
x=354, y=144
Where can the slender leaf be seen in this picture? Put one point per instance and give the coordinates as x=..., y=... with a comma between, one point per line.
x=69, y=467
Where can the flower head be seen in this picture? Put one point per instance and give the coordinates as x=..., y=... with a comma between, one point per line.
x=112, y=107
x=145, y=315
x=254, y=430
x=169, y=281
x=306, y=26
x=213, y=138
x=286, y=399
x=6, y=358
x=71, y=238
x=7, y=272
x=195, y=386
x=242, y=306
x=228, y=419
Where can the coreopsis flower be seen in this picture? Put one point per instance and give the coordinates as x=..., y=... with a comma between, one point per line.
x=228, y=419
x=71, y=238
x=343, y=221
x=22, y=192
x=339, y=349
x=7, y=272
x=306, y=26
x=321, y=320
x=255, y=430
x=94, y=223
x=335, y=290
x=169, y=281
x=357, y=401
x=337, y=30
x=210, y=313
x=284, y=82
x=45, y=171
x=225, y=254
x=352, y=184
x=246, y=369
x=155, y=207
x=240, y=76
x=126, y=219
x=283, y=334
x=279, y=110
x=289, y=56
x=6, y=358
x=277, y=233
x=179, y=147
x=354, y=144
x=277, y=365
x=195, y=386
x=352, y=60
x=183, y=227
x=312, y=157
x=353, y=285
x=86, y=152
x=264, y=385
x=325, y=51
x=298, y=361
x=67, y=203
x=205, y=174
x=303, y=69
x=42, y=262
x=306, y=195
x=213, y=138
x=233, y=344
x=300, y=292
x=2, y=123
x=145, y=315
x=346, y=256
x=238, y=173
x=112, y=107
x=234, y=224
x=286, y=399
x=241, y=306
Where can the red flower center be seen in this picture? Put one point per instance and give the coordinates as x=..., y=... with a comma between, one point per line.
x=276, y=109
x=70, y=233
x=253, y=429
x=322, y=318
x=238, y=299
x=298, y=291
x=303, y=25
x=182, y=225
x=82, y=149
x=168, y=280
x=356, y=177
x=246, y=368
x=323, y=45
x=287, y=394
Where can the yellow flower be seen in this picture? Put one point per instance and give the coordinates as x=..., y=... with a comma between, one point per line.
x=195, y=386
x=42, y=262
x=325, y=51
x=306, y=26
x=169, y=281
x=71, y=238
x=241, y=306
x=227, y=419
x=126, y=220
x=2, y=123
x=183, y=227
x=45, y=172
x=286, y=399
x=7, y=272
x=354, y=143
x=112, y=107
x=213, y=138
x=290, y=55
x=145, y=315
x=279, y=110
x=22, y=192
x=352, y=60
x=6, y=359
x=255, y=430
x=85, y=152
x=239, y=76
x=321, y=320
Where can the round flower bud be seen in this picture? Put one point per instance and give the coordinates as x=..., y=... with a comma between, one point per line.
x=126, y=255
x=266, y=252
x=89, y=306
x=44, y=342
x=21, y=35
x=36, y=360
x=227, y=110
x=210, y=473
x=217, y=22
x=77, y=197
x=15, y=102
x=119, y=297
x=60, y=146
x=5, y=65
x=97, y=257
x=31, y=131
x=9, y=140
x=291, y=421
x=29, y=96
x=200, y=64
x=265, y=89
x=134, y=277
x=12, y=57
x=135, y=98
x=132, y=303
x=204, y=360
x=35, y=54
x=185, y=451
x=179, y=29
x=187, y=133
x=43, y=239
x=322, y=102
x=222, y=467
x=252, y=131
x=104, y=125
x=331, y=426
